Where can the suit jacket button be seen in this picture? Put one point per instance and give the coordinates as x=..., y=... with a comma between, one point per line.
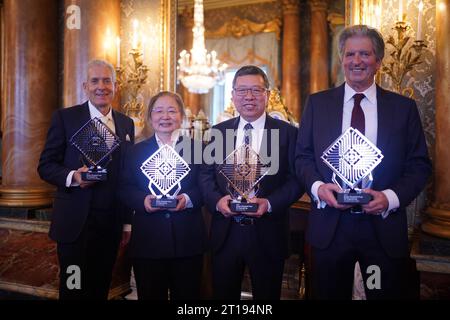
x=167, y=215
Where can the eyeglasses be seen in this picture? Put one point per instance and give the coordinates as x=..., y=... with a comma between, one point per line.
x=160, y=111
x=256, y=91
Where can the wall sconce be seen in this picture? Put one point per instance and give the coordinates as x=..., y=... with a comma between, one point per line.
x=134, y=77
x=404, y=56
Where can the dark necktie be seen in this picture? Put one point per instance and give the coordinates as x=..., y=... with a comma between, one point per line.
x=358, y=120
x=247, y=140
x=248, y=133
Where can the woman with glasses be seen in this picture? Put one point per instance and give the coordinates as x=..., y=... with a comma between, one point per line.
x=167, y=244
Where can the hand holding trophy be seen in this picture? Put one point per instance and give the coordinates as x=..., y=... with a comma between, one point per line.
x=352, y=158
x=243, y=171
x=96, y=143
x=165, y=169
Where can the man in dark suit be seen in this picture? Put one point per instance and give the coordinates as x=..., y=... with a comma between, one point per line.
x=376, y=233
x=87, y=220
x=260, y=239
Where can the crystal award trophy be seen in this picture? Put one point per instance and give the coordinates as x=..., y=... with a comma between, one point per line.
x=243, y=171
x=165, y=169
x=352, y=158
x=96, y=142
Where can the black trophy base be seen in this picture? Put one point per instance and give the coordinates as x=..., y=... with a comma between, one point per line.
x=164, y=203
x=94, y=176
x=236, y=206
x=354, y=198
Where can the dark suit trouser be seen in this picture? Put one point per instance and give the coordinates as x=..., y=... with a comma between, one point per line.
x=94, y=252
x=355, y=240
x=155, y=278
x=242, y=248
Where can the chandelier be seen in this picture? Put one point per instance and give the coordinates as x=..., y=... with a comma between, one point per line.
x=199, y=71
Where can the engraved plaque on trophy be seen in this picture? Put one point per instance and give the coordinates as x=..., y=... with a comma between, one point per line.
x=96, y=143
x=352, y=158
x=243, y=171
x=165, y=169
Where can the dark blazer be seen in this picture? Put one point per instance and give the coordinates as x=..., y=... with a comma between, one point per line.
x=405, y=167
x=72, y=205
x=163, y=234
x=281, y=189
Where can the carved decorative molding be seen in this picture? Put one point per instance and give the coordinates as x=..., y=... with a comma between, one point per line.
x=238, y=28
x=291, y=6
x=277, y=108
x=318, y=5
x=220, y=4
x=335, y=20
x=187, y=17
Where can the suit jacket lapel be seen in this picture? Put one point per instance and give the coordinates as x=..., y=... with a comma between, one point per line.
x=267, y=182
x=153, y=144
x=120, y=132
x=267, y=135
x=385, y=121
x=334, y=110
x=85, y=115
x=235, y=127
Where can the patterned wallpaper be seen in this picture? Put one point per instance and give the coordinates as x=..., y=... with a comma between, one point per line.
x=421, y=79
x=148, y=13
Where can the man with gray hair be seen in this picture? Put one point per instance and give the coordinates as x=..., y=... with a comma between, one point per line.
x=87, y=220
x=375, y=234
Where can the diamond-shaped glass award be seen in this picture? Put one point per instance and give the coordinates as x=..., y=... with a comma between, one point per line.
x=243, y=171
x=165, y=169
x=352, y=157
x=96, y=142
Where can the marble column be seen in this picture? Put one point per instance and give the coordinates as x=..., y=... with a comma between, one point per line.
x=86, y=32
x=29, y=98
x=319, y=46
x=439, y=211
x=191, y=100
x=290, y=88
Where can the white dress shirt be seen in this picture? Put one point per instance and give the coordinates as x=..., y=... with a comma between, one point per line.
x=256, y=133
x=369, y=107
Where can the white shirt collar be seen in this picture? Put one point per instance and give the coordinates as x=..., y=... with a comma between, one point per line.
x=174, y=139
x=370, y=93
x=257, y=124
x=97, y=114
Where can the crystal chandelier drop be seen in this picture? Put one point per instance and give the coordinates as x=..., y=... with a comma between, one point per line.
x=199, y=71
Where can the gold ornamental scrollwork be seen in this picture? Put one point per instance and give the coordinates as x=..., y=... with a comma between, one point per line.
x=403, y=57
x=291, y=6
x=238, y=28
x=276, y=104
x=335, y=20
